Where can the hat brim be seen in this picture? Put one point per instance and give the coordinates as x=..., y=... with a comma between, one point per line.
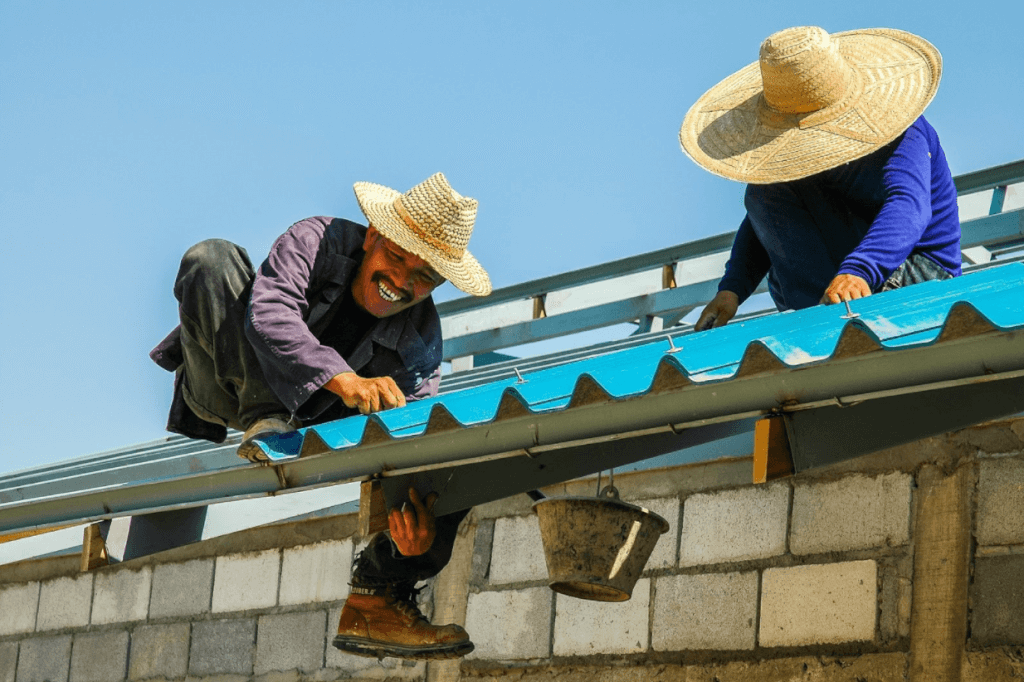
x=378, y=204
x=730, y=131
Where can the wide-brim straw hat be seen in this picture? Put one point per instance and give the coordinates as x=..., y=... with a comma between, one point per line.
x=812, y=102
x=432, y=221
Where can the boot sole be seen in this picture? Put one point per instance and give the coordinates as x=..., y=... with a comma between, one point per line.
x=361, y=646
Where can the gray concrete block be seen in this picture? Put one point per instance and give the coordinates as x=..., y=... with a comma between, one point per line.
x=8, y=661
x=246, y=581
x=510, y=624
x=315, y=573
x=121, y=596
x=819, y=604
x=18, y=607
x=65, y=603
x=584, y=627
x=734, y=525
x=44, y=659
x=290, y=641
x=1001, y=502
x=714, y=611
x=159, y=651
x=517, y=553
x=997, y=601
x=181, y=589
x=222, y=647
x=856, y=512
x=99, y=657
x=664, y=554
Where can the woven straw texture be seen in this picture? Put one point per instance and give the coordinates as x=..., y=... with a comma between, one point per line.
x=434, y=222
x=812, y=102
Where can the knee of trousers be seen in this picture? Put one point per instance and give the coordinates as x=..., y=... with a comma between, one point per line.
x=211, y=261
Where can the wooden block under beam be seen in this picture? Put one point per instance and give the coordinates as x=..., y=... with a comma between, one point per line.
x=373, y=510
x=94, y=550
x=772, y=456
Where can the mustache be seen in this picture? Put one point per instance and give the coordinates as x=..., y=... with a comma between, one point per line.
x=405, y=296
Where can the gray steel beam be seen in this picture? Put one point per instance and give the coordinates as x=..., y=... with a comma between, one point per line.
x=987, y=178
x=832, y=434
x=993, y=229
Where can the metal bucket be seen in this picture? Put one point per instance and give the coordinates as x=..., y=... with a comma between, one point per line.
x=596, y=547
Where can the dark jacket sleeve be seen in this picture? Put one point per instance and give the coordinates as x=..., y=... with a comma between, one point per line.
x=294, y=362
x=905, y=213
x=748, y=263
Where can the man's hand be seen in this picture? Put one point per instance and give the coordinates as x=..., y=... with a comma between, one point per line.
x=412, y=526
x=719, y=311
x=369, y=395
x=845, y=288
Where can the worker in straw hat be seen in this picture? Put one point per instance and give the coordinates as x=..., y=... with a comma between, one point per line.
x=338, y=320
x=848, y=191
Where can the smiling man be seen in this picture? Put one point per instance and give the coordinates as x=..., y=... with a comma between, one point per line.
x=337, y=320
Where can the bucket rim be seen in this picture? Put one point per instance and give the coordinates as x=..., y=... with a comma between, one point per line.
x=663, y=522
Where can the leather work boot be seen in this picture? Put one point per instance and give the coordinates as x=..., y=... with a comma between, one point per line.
x=261, y=428
x=390, y=624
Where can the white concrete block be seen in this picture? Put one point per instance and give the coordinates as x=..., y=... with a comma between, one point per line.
x=246, y=581
x=517, y=552
x=18, y=606
x=664, y=554
x=65, y=603
x=1001, y=502
x=510, y=624
x=819, y=604
x=714, y=611
x=316, y=573
x=121, y=596
x=856, y=512
x=734, y=525
x=584, y=627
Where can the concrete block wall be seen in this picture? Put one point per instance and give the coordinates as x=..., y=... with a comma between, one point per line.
x=742, y=569
x=817, y=578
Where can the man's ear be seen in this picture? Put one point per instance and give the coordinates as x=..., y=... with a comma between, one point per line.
x=372, y=236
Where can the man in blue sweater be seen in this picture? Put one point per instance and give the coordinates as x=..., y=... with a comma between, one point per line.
x=848, y=192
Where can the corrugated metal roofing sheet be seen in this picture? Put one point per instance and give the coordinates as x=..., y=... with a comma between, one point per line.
x=925, y=314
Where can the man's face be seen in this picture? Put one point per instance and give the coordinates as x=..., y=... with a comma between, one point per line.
x=390, y=279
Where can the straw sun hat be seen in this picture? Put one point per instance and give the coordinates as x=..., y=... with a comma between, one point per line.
x=434, y=222
x=812, y=102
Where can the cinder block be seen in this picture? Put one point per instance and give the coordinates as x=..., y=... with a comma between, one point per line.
x=44, y=659
x=8, y=661
x=517, y=553
x=159, y=651
x=290, y=641
x=18, y=607
x=222, y=647
x=1001, y=502
x=714, y=611
x=316, y=573
x=121, y=596
x=855, y=512
x=246, y=581
x=181, y=589
x=584, y=627
x=664, y=554
x=819, y=604
x=510, y=624
x=99, y=657
x=734, y=525
x=997, y=601
x=65, y=603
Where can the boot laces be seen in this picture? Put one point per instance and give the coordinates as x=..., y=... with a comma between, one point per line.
x=403, y=597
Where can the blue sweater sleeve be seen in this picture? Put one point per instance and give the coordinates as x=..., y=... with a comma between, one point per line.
x=748, y=263
x=905, y=213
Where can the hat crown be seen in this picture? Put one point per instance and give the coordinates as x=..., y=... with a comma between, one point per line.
x=803, y=70
x=439, y=215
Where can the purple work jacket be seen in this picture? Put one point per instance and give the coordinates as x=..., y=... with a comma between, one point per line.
x=288, y=323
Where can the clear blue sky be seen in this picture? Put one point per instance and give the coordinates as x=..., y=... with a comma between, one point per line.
x=130, y=130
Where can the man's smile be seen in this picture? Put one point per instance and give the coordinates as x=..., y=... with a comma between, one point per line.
x=387, y=293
